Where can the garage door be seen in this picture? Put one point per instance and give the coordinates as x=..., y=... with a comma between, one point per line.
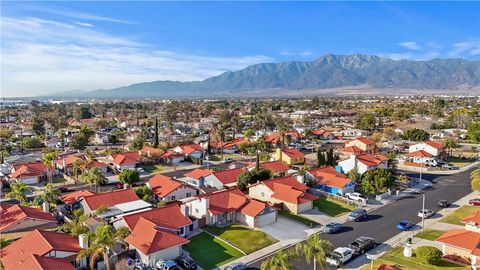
x=305, y=207
x=29, y=181
x=266, y=219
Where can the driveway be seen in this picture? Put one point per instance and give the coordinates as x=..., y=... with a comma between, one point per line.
x=286, y=230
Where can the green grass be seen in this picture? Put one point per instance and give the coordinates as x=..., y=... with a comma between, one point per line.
x=430, y=234
x=218, y=157
x=154, y=168
x=242, y=237
x=332, y=207
x=210, y=252
x=456, y=216
x=395, y=257
x=58, y=179
x=300, y=219
x=459, y=161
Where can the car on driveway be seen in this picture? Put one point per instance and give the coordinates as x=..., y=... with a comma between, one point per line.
x=363, y=244
x=404, y=225
x=355, y=196
x=167, y=265
x=425, y=213
x=443, y=203
x=340, y=256
x=475, y=202
x=332, y=227
x=227, y=160
x=186, y=263
x=357, y=215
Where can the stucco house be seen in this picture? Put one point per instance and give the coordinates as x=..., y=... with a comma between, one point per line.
x=223, y=179
x=290, y=156
x=16, y=218
x=426, y=153
x=127, y=160
x=363, y=163
x=166, y=189
x=278, y=168
x=331, y=181
x=29, y=173
x=196, y=177
x=362, y=145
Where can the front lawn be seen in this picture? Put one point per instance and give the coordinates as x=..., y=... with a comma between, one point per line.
x=456, y=216
x=154, y=168
x=395, y=257
x=306, y=221
x=210, y=252
x=459, y=161
x=332, y=207
x=430, y=234
x=58, y=179
x=242, y=237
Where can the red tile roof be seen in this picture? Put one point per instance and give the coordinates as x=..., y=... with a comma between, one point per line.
x=288, y=189
x=172, y=154
x=69, y=160
x=190, y=148
x=365, y=140
x=109, y=199
x=18, y=213
x=293, y=153
x=371, y=160
x=253, y=208
x=29, y=170
x=36, y=262
x=468, y=240
x=162, y=185
x=419, y=153
x=352, y=149
x=224, y=201
x=273, y=138
x=286, y=180
x=72, y=197
x=151, y=150
x=228, y=176
x=36, y=242
x=126, y=158
x=197, y=173
x=274, y=166
x=148, y=240
x=433, y=144
x=169, y=216
x=328, y=176
x=473, y=218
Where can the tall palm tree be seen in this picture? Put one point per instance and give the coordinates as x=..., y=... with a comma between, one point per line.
x=77, y=167
x=48, y=159
x=94, y=177
x=49, y=193
x=101, y=242
x=315, y=249
x=475, y=180
x=18, y=191
x=280, y=261
x=451, y=144
x=77, y=225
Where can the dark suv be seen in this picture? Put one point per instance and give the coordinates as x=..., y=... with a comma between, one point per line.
x=186, y=263
x=357, y=214
x=362, y=244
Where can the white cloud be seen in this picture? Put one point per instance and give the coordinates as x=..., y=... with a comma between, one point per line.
x=411, y=45
x=296, y=53
x=470, y=47
x=44, y=56
x=83, y=24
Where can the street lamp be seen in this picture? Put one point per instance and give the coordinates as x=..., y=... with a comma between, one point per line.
x=423, y=208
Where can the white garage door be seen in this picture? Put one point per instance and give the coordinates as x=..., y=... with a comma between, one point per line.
x=29, y=181
x=266, y=219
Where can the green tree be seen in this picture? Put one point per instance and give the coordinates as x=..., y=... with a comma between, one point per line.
x=451, y=144
x=473, y=131
x=81, y=139
x=365, y=120
x=144, y=193
x=282, y=260
x=138, y=142
x=49, y=193
x=316, y=249
x=320, y=158
x=354, y=175
x=48, y=157
x=4, y=242
x=100, y=242
x=416, y=134
x=129, y=176
x=77, y=225
x=38, y=125
x=155, y=139
x=376, y=181
x=429, y=255
x=331, y=161
x=32, y=142
x=249, y=133
x=250, y=177
x=18, y=191
x=94, y=177
x=475, y=180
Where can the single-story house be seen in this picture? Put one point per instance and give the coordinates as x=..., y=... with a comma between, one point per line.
x=16, y=218
x=331, y=181
x=126, y=160
x=362, y=145
x=278, y=168
x=166, y=189
x=197, y=177
x=29, y=173
x=222, y=179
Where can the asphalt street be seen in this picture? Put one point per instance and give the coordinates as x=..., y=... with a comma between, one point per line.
x=381, y=222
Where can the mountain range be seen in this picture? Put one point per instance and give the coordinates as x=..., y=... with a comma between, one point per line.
x=329, y=74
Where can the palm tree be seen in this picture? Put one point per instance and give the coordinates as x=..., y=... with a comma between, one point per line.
x=49, y=193
x=94, y=177
x=475, y=180
x=77, y=225
x=77, y=167
x=48, y=159
x=101, y=242
x=451, y=144
x=17, y=191
x=280, y=261
x=316, y=249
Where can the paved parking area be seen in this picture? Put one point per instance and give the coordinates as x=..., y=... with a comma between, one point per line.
x=286, y=230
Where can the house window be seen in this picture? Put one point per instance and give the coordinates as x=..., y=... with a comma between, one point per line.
x=262, y=194
x=52, y=253
x=196, y=210
x=172, y=198
x=189, y=194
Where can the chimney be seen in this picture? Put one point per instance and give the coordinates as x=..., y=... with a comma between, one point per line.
x=83, y=241
x=46, y=207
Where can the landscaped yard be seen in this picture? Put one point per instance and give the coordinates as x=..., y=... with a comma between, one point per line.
x=154, y=168
x=58, y=179
x=395, y=257
x=210, y=252
x=332, y=207
x=306, y=221
x=459, y=161
x=218, y=157
x=242, y=237
x=456, y=216
x=430, y=234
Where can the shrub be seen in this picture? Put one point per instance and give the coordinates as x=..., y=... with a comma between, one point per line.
x=429, y=255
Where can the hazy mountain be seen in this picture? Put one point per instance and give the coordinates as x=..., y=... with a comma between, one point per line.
x=329, y=71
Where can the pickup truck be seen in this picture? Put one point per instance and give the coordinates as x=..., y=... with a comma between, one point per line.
x=340, y=256
x=356, y=197
x=362, y=244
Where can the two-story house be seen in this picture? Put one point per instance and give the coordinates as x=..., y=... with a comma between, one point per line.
x=166, y=189
x=363, y=163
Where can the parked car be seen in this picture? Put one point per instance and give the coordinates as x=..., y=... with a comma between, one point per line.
x=425, y=213
x=167, y=265
x=427, y=185
x=236, y=266
x=475, y=202
x=332, y=227
x=448, y=166
x=186, y=263
x=340, y=256
x=140, y=170
x=404, y=225
x=227, y=160
x=363, y=244
x=356, y=197
x=443, y=203
x=357, y=215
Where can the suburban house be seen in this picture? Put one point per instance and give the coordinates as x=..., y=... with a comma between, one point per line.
x=363, y=163
x=362, y=145
x=171, y=157
x=29, y=173
x=222, y=179
x=75, y=196
x=426, y=153
x=127, y=160
x=290, y=156
x=230, y=147
x=272, y=140
x=197, y=177
x=43, y=250
x=166, y=189
x=322, y=134
x=117, y=202
x=230, y=206
x=150, y=153
x=278, y=168
x=463, y=244
x=190, y=150
x=331, y=181
x=67, y=163
x=287, y=191
x=354, y=133
x=17, y=218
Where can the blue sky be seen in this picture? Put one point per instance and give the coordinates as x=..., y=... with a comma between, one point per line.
x=60, y=46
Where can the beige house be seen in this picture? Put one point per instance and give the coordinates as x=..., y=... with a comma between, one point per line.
x=362, y=145
x=289, y=156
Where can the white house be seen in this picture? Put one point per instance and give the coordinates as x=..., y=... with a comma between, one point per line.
x=363, y=163
x=166, y=189
x=433, y=148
